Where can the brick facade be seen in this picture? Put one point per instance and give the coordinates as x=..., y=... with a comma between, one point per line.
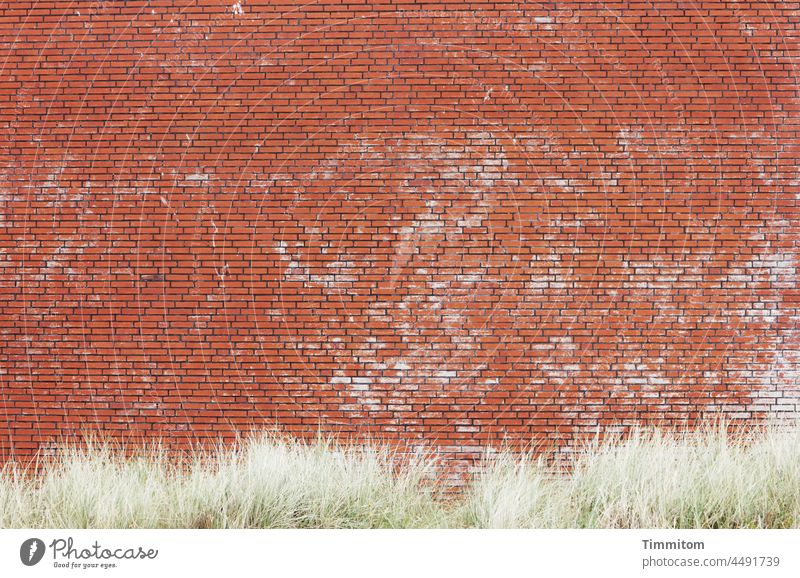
x=447, y=223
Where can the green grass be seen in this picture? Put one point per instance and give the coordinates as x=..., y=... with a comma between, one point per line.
x=706, y=479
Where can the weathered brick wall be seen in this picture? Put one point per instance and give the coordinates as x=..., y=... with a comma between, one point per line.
x=447, y=223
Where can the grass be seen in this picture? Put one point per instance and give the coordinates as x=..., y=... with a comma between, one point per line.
x=650, y=479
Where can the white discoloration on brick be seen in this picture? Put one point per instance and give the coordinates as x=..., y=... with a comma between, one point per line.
x=471, y=220
x=469, y=278
x=780, y=381
x=361, y=384
x=780, y=267
x=761, y=314
x=629, y=136
x=747, y=28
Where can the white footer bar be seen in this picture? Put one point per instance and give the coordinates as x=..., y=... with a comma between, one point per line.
x=389, y=553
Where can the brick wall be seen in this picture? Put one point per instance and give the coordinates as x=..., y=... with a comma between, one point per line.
x=447, y=223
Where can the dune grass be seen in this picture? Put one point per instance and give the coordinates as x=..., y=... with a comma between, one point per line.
x=649, y=479
x=652, y=479
x=267, y=482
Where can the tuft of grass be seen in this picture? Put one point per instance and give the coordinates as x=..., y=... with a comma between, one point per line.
x=707, y=478
x=266, y=482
